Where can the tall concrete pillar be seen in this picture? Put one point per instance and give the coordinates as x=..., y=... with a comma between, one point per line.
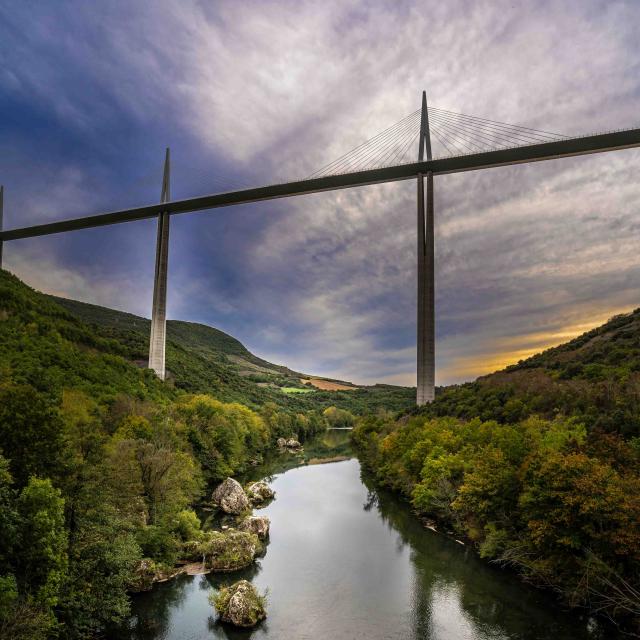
x=426, y=307
x=157, y=342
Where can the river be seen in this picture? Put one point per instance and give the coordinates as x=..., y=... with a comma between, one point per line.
x=346, y=562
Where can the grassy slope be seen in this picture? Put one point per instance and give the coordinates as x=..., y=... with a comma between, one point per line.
x=72, y=341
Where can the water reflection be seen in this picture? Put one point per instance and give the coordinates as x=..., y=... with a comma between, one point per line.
x=456, y=595
x=346, y=561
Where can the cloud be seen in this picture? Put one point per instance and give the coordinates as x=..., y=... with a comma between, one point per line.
x=262, y=91
x=44, y=273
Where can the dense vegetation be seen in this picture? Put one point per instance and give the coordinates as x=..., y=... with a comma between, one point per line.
x=201, y=359
x=101, y=465
x=538, y=466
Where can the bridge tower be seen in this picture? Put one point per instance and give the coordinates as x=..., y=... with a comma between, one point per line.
x=426, y=316
x=157, y=340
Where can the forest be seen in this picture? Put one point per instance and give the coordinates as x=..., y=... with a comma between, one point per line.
x=537, y=466
x=101, y=467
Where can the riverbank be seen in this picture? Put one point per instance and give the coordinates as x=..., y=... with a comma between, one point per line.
x=348, y=560
x=329, y=447
x=532, y=498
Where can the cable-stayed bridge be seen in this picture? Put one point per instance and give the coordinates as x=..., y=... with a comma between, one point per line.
x=428, y=142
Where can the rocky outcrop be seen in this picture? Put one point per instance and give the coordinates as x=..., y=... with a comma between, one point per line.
x=230, y=497
x=240, y=604
x=291, y=443
x=288, y=443
x=147, y=572
x=260, y=492
x=229, y=550
x=259, y=525
x=143, y=576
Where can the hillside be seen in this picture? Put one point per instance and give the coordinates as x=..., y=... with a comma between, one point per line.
x=536, y=467
x=595, y=377
x=105, y=351
x=87, y=431
x=102, y=465
x=48, y=348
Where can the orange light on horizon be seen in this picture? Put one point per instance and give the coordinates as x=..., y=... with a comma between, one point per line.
x=502, y=352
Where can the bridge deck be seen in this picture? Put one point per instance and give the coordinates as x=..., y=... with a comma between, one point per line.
x=456, y=164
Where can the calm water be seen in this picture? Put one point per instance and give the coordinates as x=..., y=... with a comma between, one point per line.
x=345, y=562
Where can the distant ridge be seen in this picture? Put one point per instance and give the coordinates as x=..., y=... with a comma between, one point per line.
x=595, y=377
x=203, y=359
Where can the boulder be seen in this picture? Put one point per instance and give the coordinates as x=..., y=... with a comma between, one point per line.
x=281, y=442
x=143, y=576
x=230, y=497
x=292, y=443
x=258, y=492
x=259, y=525
x=147, y=572
x=240, y=604
x=229, y=550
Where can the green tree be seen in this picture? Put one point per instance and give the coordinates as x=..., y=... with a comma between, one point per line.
x=8, y=517
x=102, y=558
x=222, y=435
x=488, y=495
x=30, y=433
x=42, y=543
x=338, y=418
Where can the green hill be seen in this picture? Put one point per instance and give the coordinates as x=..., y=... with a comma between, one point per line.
x=54, y=342
x=45, y=346
x=595, y=377
x=536, y=467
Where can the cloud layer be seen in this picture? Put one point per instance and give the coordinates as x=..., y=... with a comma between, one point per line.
x=255, y=92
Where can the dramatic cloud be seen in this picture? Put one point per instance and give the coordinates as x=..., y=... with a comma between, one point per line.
x=254, y=92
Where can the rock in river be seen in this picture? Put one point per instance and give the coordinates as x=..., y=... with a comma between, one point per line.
x=230, y=497
x=147, y=572
x=290, y=443
x=240, y=604
x=256, y=524
x=258, y=492
x=229, y=551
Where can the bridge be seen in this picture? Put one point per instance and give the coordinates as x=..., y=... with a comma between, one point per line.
x=465, y=142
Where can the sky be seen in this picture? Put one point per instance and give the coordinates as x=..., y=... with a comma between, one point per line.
x=260, y=92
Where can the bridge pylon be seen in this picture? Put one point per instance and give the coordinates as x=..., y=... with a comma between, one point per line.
x=158, y=337
x=426, y=303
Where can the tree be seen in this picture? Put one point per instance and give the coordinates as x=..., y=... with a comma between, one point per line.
x=8, y=518
x=222, y=435
x=489, y=493
x=30, y=433
x=338, y=418
x=42, y=558
x=101, y=562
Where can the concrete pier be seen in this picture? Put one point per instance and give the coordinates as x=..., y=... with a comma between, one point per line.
x=426, y=364
x=426, y=307
x=157, y=342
